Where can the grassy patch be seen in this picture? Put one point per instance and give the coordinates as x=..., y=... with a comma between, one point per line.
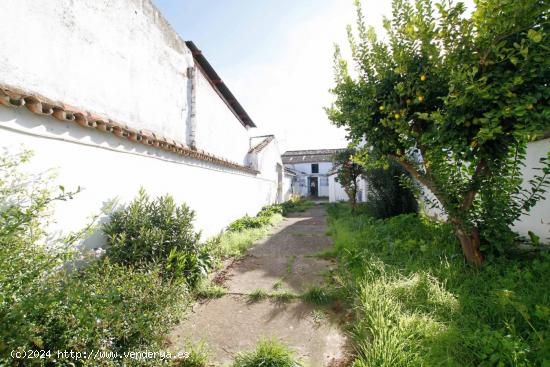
x=417, y=303
x=319, y=295
x=258, y=295
x=296, y=206
x=207, y=290
x=278, y=284
x=283, y=296
x=198, y=356
x=236, y=243
x=268, y=353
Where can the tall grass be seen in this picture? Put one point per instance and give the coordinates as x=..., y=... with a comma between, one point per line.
x=236, y=243
x=268, y=353
x=416, y=303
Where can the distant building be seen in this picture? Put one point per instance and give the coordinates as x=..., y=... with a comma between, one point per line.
x=311, y=169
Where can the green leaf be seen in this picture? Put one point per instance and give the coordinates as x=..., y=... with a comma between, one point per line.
x=534, y=36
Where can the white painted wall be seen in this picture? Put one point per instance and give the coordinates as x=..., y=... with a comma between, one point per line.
x=120, y=59
x=114, y=57
x=218, y=130
x=107, y=167
x=288, y=187
x=538, y=219
x=337, y=193
x=303, y=171
x=324, y=167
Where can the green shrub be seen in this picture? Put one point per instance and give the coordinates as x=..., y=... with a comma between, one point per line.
x=417, y=303
x=268, y=353
x=149, y=232
x=104, y=306
x=248, y=222
x=386, y=195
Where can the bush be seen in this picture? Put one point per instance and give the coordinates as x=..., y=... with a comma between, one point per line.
x=105, y=306
x=417, y=303
x=386, y=195
x=248, y=222
x=268, y=353
x=149, y=232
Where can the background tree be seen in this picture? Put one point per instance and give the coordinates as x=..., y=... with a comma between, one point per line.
x=387, y=195
x=467, y=93
x=348, y=174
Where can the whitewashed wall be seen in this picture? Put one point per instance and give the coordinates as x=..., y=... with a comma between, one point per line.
x=337, y=193
x=218, y=130
x=114, y=57
x=288, y=187
x=120, y=59
x=107, y=168
x=538, y=219
x=303, y=171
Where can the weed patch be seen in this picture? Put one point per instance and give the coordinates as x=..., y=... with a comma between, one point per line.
x=417, y=303
x=268, y=353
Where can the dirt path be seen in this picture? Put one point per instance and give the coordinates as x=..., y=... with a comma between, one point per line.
x=279, y=263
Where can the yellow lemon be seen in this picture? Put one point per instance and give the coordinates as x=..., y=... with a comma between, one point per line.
x=397, y=116
x=381, y=108
x=420, y=98
x=423, y=77
x=530, y=106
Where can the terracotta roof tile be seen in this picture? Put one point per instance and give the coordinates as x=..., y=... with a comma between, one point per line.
x=38, y=104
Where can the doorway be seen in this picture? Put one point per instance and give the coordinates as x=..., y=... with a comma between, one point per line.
x=313, y=184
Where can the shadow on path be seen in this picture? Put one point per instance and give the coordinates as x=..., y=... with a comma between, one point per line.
x=282, y=262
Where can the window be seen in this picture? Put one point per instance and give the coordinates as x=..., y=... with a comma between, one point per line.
x=324, y=181
x=315, y=168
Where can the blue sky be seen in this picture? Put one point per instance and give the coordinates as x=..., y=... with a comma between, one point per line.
x=275, y=56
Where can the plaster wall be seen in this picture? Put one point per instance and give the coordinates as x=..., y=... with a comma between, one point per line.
x=538, y=219
x=218, y=131
x=119, y=58
x=108, y=168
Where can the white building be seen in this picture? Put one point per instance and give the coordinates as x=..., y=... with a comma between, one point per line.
x=108, y=95
x=311, y=169
x=337, y=192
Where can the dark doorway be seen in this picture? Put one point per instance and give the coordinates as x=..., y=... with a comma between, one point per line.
x=313, y=183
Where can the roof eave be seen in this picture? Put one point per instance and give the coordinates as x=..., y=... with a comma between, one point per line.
x=219, y=86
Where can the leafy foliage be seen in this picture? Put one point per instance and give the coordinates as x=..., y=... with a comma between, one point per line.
x=105, y=306
x=348, y=174
x=417, y=303
x=150, y=232
x=454, y=100
x=387, y=195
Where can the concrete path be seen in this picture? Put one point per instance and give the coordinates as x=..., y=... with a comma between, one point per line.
x=282, y=262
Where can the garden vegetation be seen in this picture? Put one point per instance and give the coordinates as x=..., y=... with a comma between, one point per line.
x=127, y=300
x=454, y=99
x=416, y=302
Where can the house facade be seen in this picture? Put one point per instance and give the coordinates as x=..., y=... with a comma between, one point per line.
x=116, y=101
x=311, y=169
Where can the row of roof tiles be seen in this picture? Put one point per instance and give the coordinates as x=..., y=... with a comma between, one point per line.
x=309, y=156
x=40, y=105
